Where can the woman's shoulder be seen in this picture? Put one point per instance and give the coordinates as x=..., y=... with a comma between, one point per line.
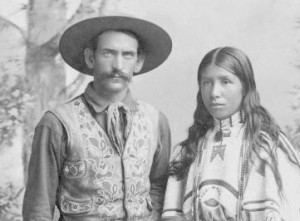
x=290, y=151
x=280, y=147
x=267, y=142
x=264, y=148
x=266, y=137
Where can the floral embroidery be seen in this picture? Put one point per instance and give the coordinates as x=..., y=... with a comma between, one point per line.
x=136, y=199
x=74, y=169
x=72, y=207
x=104, y=170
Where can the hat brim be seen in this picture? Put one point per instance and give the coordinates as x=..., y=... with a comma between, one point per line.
x=156, y=41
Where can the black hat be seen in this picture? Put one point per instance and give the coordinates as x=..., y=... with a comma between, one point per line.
x=157, y=44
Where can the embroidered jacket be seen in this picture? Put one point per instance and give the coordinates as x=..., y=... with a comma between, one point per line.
x=96, y=179
x=96, y=182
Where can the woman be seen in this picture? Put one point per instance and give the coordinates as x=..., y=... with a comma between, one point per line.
x=235, y=164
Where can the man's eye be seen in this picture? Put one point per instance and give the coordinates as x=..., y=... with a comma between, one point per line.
x=225, y=82
x=205, y=83
x=107, y=53
x=128, y=55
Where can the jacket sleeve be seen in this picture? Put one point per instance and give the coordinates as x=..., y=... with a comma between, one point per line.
x=43, y=173
x=159, y=170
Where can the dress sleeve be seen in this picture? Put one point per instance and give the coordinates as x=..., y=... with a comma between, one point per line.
x=172, y=209
x=289, y=169
x=263, y=200
x=45, y=163
x=159, y=170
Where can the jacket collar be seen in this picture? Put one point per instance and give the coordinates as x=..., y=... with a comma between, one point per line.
x=99, y=104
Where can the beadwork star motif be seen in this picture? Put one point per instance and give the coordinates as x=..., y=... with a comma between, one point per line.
x=218, y=151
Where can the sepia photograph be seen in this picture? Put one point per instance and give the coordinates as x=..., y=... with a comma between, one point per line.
x=139, y=110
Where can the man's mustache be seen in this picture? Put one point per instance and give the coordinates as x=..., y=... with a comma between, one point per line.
x=118, y=74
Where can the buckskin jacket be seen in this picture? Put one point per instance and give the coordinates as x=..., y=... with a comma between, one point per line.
x=76, y=166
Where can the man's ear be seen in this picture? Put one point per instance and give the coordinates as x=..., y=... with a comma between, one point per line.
x=89, y=57
x=139, y=63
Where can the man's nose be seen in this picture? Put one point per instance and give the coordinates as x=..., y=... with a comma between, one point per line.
x=118, y=63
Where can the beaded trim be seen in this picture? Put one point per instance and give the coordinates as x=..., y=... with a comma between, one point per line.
x=243, y=170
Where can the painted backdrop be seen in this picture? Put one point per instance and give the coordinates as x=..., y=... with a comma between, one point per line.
x=267, y=30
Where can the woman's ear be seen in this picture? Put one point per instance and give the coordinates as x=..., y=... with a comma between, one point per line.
x=89, y=57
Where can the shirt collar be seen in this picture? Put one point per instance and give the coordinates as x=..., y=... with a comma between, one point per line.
x=99, y=105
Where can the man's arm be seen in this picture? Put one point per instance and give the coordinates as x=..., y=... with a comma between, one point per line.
x=43, y=173
x=159, y=170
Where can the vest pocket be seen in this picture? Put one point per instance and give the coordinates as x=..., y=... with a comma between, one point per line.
x=75, y=207
x=74, y=170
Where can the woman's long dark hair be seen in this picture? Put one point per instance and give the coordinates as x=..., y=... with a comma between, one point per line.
x=258, y=122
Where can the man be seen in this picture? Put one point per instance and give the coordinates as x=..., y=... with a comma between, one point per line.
x=103, y=155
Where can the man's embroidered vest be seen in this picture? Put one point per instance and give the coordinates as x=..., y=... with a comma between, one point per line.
x=96, y=182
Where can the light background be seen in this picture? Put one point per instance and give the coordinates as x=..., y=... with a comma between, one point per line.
x=265, y=29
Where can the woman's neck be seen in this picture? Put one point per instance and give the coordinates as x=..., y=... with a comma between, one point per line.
x=230, y=121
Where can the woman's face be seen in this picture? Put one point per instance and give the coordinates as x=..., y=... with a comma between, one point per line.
x=222, y=92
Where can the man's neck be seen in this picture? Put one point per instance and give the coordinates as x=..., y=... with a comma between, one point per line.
x=110, y=96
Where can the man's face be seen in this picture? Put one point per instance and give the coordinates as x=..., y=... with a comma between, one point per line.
x=114, y=61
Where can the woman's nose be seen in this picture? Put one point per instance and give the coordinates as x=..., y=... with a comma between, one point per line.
x=215, y=90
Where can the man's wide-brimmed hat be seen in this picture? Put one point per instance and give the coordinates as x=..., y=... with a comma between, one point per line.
x=156, y=42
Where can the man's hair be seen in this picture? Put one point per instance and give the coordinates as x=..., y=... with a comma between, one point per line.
x=93, y=43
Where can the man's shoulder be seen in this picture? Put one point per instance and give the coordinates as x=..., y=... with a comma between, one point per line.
x=161, y=117
x=142, y=102
x=51, y=121
x=147, y=105
x=143, y=105
x=66, y=106
x=52, y=117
